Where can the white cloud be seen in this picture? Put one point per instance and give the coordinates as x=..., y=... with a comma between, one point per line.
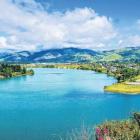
x=120, y=42
x=134, y=40
x=33, y=26
x=26, y=25
x=129, y=41
x=3, y=42
x=138, y=21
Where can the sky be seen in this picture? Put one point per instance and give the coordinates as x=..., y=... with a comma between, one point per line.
x=92, y=24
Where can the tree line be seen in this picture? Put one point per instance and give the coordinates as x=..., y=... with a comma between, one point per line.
x=10, y=70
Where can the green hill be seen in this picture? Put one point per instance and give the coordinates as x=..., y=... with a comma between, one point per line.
x=71, y=55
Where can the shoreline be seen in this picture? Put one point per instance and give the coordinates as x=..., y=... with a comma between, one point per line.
x=123, y=88
x=127, y=89
x=118, y=88
x=13, y=76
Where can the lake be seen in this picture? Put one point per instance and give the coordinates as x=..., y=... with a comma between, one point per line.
x=54, y=101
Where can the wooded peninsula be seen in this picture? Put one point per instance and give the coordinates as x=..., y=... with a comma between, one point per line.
x=13, y=70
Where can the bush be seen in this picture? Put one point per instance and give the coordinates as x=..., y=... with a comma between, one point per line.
x=120, y=130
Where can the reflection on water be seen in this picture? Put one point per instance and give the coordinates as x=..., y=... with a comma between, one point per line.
x=55, y=73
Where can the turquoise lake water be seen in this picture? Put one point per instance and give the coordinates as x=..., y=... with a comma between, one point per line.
x=55, y=101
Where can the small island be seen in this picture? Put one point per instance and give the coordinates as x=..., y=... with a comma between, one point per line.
x=13, y=70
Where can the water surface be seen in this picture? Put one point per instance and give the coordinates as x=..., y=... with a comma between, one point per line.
x=55, y=101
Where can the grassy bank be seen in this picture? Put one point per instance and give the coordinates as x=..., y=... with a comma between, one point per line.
x=123, y=88
x=17, y=74
x=127, y=87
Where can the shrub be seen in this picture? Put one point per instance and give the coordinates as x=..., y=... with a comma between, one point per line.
x=120, y=130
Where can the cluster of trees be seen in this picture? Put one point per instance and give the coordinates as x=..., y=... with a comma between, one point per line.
x=9, y=70
x=92, y=66
x=126, y=74
x=123, y=71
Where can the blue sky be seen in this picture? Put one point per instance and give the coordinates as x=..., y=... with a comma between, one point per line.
x=122, y=11
x=92, y=24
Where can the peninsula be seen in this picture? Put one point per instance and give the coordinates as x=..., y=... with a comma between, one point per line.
x=13, y=70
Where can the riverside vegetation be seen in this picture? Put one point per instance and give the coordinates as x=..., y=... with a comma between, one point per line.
x=13, y=70
x=128, y=129
x=120, y=130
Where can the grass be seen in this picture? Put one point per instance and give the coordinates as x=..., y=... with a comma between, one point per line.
x=112, y=57
x=123, y=88
x=137, y=78
x=16, y=74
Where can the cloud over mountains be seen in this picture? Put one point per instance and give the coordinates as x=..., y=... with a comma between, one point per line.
x=27, y=25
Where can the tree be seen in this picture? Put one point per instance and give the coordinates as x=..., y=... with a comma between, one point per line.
x=24, y=70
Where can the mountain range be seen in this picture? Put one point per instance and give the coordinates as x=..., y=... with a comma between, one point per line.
x=70, y=55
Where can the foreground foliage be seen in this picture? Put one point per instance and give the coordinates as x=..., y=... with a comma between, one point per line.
x=120, y=130
x=111, y=130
